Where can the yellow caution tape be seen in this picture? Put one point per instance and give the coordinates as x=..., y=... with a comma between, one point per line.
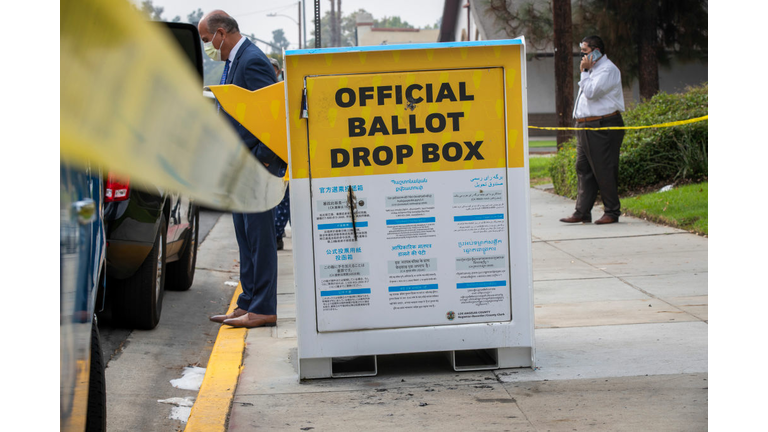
x=131, y=103
x=661, y=125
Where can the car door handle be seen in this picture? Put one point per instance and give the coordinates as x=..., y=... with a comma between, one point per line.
x=85, y=210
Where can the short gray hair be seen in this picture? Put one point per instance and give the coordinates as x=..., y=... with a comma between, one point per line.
x=226, y=22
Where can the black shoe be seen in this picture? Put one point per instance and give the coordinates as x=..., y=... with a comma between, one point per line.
x=280, y=244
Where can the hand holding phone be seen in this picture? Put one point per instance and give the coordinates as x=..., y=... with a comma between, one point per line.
x=588, y=60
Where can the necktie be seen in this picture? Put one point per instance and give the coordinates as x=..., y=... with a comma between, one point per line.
x=223, y=80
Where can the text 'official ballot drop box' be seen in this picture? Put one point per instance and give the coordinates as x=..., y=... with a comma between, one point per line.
x=410, y=205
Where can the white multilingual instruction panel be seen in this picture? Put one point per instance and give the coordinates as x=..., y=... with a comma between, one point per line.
x=431, y=249
x=409, y=199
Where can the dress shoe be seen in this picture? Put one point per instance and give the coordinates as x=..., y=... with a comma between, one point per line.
x=235, y=313
x=576, y=219
x=252, y=320
x=606, y=220
x=280, y=244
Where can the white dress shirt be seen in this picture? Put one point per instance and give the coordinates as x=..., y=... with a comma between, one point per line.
x=599, y=91
x=233, y=53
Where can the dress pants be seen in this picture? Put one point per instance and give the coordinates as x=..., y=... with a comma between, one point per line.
x=256, y=240
x=283, y=213
x=597, y=166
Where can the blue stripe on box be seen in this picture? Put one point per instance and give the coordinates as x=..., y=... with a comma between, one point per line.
x=410, y=221
x=413, y=288
x=341, y=225
x=496, y=216
x=495, y=42
x=481, y=284
x=345, y=292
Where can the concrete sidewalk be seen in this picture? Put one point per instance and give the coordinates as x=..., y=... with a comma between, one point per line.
x=621, y=344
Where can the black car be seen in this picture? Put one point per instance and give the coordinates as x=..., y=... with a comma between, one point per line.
x=151, y=233
x=151, y=246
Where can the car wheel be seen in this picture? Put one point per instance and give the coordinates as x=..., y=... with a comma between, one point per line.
x=96, y=420
x=139, y=299
x=182, y=272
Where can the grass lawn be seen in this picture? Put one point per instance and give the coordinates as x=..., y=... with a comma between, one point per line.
x=537, y=144
x=684, y=207
x=539, y=167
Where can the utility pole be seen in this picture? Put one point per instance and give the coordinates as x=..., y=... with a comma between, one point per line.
x=299, y=25
x=304, y=18
x=338, y=23
x=297, y=22
x=333, y=23
x=318, y=43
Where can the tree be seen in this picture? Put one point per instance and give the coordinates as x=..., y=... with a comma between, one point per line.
x=335, y=23
x=348, y=28
x=391, y=22
x=348, y=25
x=151, y=11
x=279, y=41
x=155, y=13
x=195, y=17
x=648, y=77
x=563, y=42
x=642, y=35
x=532, y=19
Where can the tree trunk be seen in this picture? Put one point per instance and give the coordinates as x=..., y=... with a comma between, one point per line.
x=648, y=78
x=563, y=42
x=333, y=23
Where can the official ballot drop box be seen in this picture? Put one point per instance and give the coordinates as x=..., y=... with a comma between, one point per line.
x=410, y=204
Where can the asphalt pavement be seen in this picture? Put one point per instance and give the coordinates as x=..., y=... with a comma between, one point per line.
x=620, y=341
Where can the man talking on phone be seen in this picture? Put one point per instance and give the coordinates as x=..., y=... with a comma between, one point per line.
x=598, y=105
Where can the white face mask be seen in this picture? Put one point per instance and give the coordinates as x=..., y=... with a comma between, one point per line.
x=213, y=53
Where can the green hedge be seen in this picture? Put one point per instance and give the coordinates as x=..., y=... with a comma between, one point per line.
x=650, y=157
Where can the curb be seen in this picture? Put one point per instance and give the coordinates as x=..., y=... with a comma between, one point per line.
x=214, y=400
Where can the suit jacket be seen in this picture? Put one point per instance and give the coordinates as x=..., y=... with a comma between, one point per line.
x=252, y=70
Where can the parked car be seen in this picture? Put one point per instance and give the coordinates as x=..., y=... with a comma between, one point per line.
x=151, y=247
x=83, y=404
x=151, y=233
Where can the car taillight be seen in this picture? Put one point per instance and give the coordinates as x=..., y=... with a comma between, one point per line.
x=117, y=188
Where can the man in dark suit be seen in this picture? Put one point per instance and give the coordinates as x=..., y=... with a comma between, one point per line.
x=246, y=66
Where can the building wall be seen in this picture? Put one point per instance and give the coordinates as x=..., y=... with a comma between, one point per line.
x=676, y=78
x=541, y=82
x=374, y=36
x=461, y=22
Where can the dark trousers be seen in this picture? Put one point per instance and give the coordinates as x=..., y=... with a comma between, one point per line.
x=256, y=240
x=283, y=213
x=597, y=166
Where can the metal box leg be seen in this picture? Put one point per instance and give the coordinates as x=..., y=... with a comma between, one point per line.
x=491, y=358
x=515, y=357
x=472, y=360
x=311, y=368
